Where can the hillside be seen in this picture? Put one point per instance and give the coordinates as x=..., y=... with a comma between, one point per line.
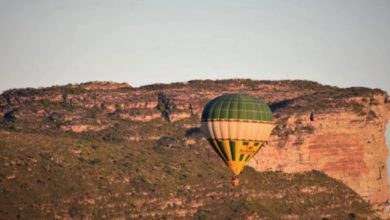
x=108, y=149
x=57, y=175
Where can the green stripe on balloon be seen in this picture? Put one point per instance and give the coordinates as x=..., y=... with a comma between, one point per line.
x=237, y=106
x=233, y=149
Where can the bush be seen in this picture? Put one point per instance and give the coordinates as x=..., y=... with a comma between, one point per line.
x=371, y=116
x=165, y=105
x=113, y=134
x=93, y=113
x=358, y=108
x=10, y=116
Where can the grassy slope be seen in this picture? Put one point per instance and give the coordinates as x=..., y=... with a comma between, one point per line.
x=60, y=175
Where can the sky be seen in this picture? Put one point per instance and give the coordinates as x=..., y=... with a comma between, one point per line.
x=335, y=42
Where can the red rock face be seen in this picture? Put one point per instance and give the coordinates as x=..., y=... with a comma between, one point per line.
x=343, y=145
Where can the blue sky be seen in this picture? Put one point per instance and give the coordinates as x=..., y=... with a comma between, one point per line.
x=336, y=42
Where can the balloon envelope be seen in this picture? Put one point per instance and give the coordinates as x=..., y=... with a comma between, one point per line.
x=236, y=126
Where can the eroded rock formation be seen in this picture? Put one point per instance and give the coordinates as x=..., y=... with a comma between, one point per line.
x=338, y=131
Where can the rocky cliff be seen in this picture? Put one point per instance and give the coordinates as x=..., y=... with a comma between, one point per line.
x=347, y=146
x=340, y=132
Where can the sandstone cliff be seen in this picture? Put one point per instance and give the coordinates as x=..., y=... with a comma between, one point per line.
x=338, y=131
x=342, y=144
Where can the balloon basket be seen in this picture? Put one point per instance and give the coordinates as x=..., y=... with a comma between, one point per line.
x=235, y=181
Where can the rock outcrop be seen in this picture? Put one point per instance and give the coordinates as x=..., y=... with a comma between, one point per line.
x=338, y=131
x=341, y=144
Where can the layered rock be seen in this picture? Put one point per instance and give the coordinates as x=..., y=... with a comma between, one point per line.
x=338, y=131
x=342, y=145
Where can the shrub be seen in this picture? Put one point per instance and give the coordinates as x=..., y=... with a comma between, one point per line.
x=357, y=108
x=165, y=105
x=10, y=116
x=93, y=113
x=113, y=134
x=371, y=115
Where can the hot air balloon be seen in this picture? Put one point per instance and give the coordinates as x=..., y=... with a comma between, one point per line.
x=237, y=126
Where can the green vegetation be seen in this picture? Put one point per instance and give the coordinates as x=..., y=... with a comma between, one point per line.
x=94, y=112
x=68, y=89
x=164, y=105
x=48, y=176
x=358, y=108
x=283, y=131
